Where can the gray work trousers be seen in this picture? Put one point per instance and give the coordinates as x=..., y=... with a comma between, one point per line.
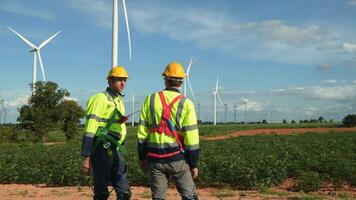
x=109, y=169
x=179, y=172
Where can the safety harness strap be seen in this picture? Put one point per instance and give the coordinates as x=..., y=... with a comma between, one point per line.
x=166, y=126
x=102, y=132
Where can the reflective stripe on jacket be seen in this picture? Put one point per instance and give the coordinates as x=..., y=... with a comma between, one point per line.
x=183, y=118
x=100, y=107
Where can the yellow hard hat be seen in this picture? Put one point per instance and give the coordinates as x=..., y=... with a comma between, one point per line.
x=118, y=72
x=174, y=70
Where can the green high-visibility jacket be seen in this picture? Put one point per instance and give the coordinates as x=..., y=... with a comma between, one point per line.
x=183, y=118
x=100, y=107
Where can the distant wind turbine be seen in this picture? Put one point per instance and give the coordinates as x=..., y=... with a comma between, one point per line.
x=115, y=31
x=187, y=81
x=245, y=101
x=133, y=110
x=2, y=110
x=216, y=95
x=36, y=53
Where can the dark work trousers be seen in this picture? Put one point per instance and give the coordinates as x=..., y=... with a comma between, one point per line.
x=109, y=167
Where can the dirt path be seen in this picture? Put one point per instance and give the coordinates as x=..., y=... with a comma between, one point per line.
x=278, y=131
x=40, y=192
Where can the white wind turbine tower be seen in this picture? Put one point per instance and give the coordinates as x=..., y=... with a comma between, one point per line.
x=133, y=110
x=36, y=53
x=115, y=31
x=2, y=110
x=216, y=95
x=187, y=81
x=245, y=101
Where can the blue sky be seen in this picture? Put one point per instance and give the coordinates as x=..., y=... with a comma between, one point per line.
x=291, y=59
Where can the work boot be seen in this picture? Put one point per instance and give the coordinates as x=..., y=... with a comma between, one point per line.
x=194, y=197
x=101, y=196
x=123, y=196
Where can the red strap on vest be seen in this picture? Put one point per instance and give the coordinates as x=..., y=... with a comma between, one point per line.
x=164, y=128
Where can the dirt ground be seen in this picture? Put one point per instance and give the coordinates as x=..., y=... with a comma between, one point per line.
x=281, y=131
x=41, y=192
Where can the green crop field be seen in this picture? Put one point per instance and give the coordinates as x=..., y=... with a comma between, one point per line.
x=247, y=162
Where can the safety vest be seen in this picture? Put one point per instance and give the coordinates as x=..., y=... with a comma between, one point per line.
x=166, y=126
x=99, y=111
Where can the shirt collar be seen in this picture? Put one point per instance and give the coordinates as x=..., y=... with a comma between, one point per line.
x=172, y=89
x=113, y=93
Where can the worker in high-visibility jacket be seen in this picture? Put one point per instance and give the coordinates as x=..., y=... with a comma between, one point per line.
x=105, y=132
x=168, y=137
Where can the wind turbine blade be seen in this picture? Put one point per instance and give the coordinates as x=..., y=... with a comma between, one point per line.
x=217, y=84
x=190, y=64
x=127, y=26
x=23, y=38
x=191, y=89
x=217, y=94
x=49, y=39
x=41, y=64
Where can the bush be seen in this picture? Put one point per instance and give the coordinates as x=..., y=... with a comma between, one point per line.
x=308, y=182
x=349, y=120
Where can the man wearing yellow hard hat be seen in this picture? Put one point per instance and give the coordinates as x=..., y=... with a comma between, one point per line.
x=168, y=137
x=105, y=132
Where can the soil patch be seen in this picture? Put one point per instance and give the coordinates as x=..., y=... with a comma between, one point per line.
x=281, y=131
x=41, y=192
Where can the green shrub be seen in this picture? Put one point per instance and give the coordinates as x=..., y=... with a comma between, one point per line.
x=246, y=162
x=349, y=120
x=308, y=182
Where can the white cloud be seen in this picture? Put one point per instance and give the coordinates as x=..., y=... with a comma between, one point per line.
x=325, y=66
x=71, y=99
x=212, y=28
x=352, y=2
x=21, y=9
x=310, y=111
x=349, y=47
x=208, y=28
x=18, y=102
x=250, y=105
x=277, y=90
x=331, y=81
x=336, y=93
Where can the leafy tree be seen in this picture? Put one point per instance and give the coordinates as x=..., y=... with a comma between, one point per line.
x=321, y=119
x=349, y=120
x=284, y=121
x=40, y=114
x=264, y=121
x=71, y=113
x=293, y=121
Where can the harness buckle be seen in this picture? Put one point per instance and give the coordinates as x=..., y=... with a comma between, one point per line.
x=107, y=145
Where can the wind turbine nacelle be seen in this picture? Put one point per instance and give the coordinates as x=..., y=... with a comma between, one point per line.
x=32, y=50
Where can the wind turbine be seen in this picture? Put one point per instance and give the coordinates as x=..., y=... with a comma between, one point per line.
x=36, y=53
x=115, y=31
x=216, y=95
x=2, y=114
x=245, y=101
x=187, y=81
x=133, y=110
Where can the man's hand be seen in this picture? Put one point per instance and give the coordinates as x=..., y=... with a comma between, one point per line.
x=194, y=172
x=144, y=165
x=86, y=165
x=123, y=119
